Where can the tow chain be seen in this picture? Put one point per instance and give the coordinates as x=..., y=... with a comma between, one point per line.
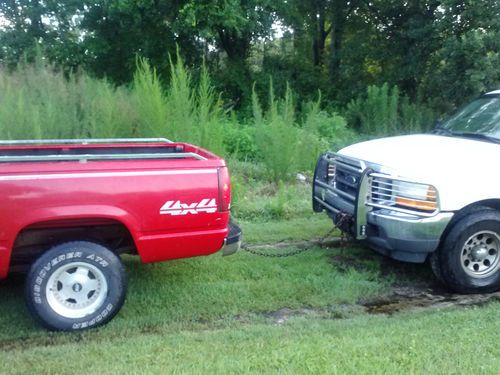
x=343, y=240
x=274, y=255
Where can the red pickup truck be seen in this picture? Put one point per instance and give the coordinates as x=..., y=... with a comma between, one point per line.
x=71, y=207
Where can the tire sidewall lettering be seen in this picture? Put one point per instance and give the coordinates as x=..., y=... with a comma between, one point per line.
x=48, y=269
x=97, y=319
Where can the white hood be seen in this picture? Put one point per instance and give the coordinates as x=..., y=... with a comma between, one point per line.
x=451, y=164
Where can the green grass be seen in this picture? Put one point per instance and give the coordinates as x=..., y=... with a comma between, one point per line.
x=257, y=201
x=455, y=341
x=312, y=227
x=215, y=314
x=181, y=294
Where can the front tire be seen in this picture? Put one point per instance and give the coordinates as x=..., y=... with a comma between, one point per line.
x=75, y=286
x=469, y=258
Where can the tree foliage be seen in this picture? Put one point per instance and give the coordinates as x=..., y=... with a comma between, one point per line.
x=438, y=52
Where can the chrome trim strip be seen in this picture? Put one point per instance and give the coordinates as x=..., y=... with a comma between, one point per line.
x=397, y=209
x=361, y=208
x=82, y=141
x=55, y=176
x=85, y=157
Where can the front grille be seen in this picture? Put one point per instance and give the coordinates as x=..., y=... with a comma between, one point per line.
x=383, y=192
x=345, y=175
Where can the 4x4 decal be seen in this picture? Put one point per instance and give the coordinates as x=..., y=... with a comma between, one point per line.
x=176, y=208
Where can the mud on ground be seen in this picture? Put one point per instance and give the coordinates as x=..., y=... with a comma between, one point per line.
x=412, y=287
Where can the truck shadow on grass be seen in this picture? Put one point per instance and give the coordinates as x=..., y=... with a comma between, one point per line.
x=394, y=272
x=411, y=286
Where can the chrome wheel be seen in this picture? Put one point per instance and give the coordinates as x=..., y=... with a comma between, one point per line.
x=76, y=290
x=480, y=254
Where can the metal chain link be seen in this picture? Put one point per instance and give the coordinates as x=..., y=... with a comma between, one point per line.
x=272, y=255
x=343, y=241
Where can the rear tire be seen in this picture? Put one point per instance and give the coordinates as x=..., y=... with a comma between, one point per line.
x=469, y=258
x=75, y=286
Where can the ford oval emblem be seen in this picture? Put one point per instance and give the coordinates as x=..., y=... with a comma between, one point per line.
x=351, y=179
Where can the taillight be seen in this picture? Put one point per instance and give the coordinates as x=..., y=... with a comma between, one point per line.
x=224, y=190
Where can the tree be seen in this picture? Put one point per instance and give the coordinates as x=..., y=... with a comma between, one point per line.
x=467, y=60
x=230, y=26
x=117, y=32
x=31, y=25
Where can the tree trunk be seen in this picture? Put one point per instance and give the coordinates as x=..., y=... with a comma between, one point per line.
x=320, y=35
x=237, y=48
x=36, y=27
x=341, y=10
x=335, y=50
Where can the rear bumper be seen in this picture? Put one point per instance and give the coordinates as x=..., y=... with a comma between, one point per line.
x=232, y=242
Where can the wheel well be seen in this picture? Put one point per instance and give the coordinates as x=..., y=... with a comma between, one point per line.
x=35, y=239
x=492, y=204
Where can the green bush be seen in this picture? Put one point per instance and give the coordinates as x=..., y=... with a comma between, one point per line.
x=384, y=111
x=264, y=201
x=321, y=131
x=277, y=135
x=183, y=112
x=150, y=103
x=239, y=141
x=210, y=116
x=38, y=101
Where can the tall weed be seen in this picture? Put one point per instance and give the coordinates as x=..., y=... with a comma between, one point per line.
x=210, y=115
x=150, y=102
x=321, y=131
x=37, y=101
x=384, y=111
x=276, y=134
x=181, y=104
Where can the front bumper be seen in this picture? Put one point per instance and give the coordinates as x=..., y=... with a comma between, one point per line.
x=232, y=242
x=402, y=236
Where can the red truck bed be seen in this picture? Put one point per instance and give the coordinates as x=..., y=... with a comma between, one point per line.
x=172, y=198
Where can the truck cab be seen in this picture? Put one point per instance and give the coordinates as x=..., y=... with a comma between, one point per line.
x=424, y=197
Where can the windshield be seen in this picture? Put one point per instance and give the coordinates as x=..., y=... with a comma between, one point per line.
x=482, y=116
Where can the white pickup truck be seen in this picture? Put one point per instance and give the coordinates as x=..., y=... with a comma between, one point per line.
x=427, y=196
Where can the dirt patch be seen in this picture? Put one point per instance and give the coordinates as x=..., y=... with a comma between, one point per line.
x=409, y=299
x=412, y=287
x=319, y=242
x=399, y=300
x=340, y=311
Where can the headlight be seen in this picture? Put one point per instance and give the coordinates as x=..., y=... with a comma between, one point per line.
x=415, y=196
